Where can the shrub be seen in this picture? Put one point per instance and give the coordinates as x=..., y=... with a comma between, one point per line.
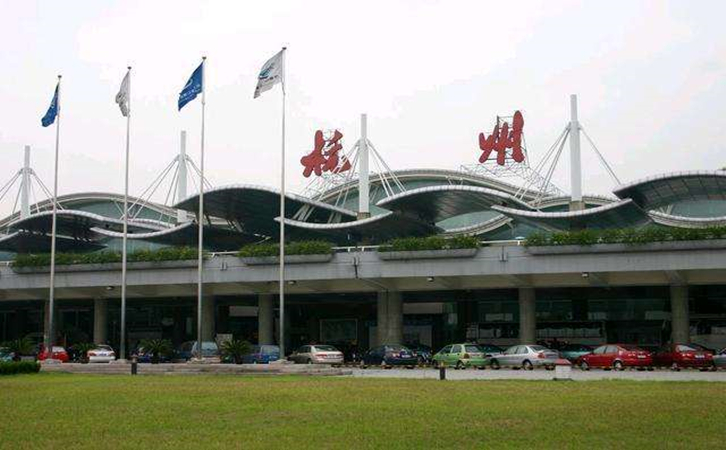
x=19, y=347
x=292, y=248
x=630, y=236
x=156, y=348
x=17, y=367
x=105, y=257
x=82, y=350
x=235, y=350
x=414, y=244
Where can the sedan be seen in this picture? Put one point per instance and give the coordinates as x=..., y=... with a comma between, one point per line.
x=58, y=353
x=262, y=354
x=572, y=352
x=677, y=356
x=526, y=356
x=719, y=359
x=388, y=356
x=317, y=354
x=101, y=354
x=616, y=356
x=461, y=356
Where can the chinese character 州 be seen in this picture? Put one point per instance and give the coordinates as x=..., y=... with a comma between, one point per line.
x=324, y=157
x=503, y=138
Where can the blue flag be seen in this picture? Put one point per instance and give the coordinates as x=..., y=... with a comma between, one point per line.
x=194, y=86
x=49, y=116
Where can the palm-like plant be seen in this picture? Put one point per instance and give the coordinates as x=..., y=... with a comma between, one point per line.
x=22, y=346
x=235, y=349
x=156, y=348
x=82, y=350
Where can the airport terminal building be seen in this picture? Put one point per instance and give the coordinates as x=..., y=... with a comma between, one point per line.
x=506, y=291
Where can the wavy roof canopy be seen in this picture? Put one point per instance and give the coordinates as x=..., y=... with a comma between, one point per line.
x=215, y=238
x=624, y=213
x=254, y=208
x=436, y=203
x=24, y=242
x=666, y=189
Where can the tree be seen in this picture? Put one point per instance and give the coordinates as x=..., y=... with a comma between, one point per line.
x=82, y=350
x=156, y=348
x=236, y=349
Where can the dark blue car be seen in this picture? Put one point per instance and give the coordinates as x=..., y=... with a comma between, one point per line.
x=262, y=354
x=388, y=356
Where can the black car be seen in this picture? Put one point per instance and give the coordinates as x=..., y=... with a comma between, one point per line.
x=422, y=352
x=388, y=356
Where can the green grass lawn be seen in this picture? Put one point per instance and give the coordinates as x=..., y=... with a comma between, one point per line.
x=65, y=411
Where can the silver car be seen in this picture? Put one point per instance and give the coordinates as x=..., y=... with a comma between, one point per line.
x=525, y=356
x=719, y=359
x=317, y=354
x=102, y=354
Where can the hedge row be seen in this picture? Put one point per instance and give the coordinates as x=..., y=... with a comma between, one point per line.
x=292, y=248
x=429, y=243
x=16, y=367
x=630, y=236
x=163, y=254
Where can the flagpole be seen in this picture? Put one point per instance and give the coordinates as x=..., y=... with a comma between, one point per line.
x=124, y=250
x=282, y=218
x=201, y=220
x=51, y=299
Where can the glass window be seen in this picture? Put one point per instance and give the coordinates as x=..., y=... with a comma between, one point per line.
x=472, y=349
x=445, y=350
x=611, y=349
x=325, y=348
x=685, y=348
x=600, y=350
x=456, y=349
x=537, y=348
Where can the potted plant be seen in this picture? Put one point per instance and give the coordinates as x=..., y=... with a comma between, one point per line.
x=235, y=349
x=82, y=349
x=156, y=348
x=19, y=347
x=295, y=252
x=431, y=247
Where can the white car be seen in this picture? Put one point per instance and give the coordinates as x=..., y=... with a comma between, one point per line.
x=101, y=354
x=317, y=354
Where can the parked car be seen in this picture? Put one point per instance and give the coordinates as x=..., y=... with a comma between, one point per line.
x=616, y=356
x=189, y=350
x=677, y=356
x=389, y=355
x=572, y=352
x=703, y=348
x=262, y=354
x=525, y=356
x=422, y=352
x=143, y=356
x=6, y=355
x=719, y=359
x=317, y=354
x=490, y=349
x=58, y=353
x=101, y=354
x=461, y=356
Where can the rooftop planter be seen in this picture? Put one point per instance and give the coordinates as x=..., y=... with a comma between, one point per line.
x=171, y=257
x=295, y=253
x=432, y=247
x=627, y=240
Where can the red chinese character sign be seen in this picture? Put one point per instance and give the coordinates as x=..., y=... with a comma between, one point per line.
x=502, y=138
x=325, y=157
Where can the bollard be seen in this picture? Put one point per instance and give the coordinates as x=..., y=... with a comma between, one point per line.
x=134, y=366
x=563, y=370
x=442, y=372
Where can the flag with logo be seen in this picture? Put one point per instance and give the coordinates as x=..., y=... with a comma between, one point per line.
x=271, y=74
x=122, y=98
x=194, y=86
x=52, y=112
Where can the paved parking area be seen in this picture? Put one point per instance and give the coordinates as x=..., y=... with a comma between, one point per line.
x=508, y=374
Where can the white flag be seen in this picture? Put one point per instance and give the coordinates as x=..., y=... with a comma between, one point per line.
x=271, y=74
x=122, y=98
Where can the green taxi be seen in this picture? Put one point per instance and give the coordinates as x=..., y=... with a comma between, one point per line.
x=460, y=356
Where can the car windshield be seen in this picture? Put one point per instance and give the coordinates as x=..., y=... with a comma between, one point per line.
x=325, y=348
x=396, y=348
x=538, y=348
x=104, y=347
x=685, y=348
x=472, y=349
x=270, y=349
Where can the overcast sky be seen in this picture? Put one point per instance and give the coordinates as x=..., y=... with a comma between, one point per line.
x=431, y=75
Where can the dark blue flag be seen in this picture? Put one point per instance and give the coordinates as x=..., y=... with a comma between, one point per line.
x=49, y=116
x=193, y=87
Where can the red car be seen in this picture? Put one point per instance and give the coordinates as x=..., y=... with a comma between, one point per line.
x=616, y=356
x=677, y=356
x=59, y=353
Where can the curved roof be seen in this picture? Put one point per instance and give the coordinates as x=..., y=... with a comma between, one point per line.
x=672, y=220
x=74, y=223
x=666, y=189
x=614, y=215
x=215, y=238
x=437, y=203
x=381, y=227
x=24, y=242
x=254, y=208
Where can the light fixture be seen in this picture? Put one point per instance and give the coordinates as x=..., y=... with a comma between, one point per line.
x=430, y=279
x=110, y=288
x=292, y=282
x=585, y=274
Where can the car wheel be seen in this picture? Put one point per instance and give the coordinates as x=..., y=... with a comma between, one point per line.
x=309, y=361
x=618, y=365
x=495, y=364
x=460, y=365
x=584, y=365
x=675, y=367
x=527, y=365
x=362, y=365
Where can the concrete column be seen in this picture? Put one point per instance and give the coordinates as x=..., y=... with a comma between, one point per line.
x=527, y=316
x=208, y=310
x=680, y=333
x=100, y=321
x=266, y=319
x=390, y=318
